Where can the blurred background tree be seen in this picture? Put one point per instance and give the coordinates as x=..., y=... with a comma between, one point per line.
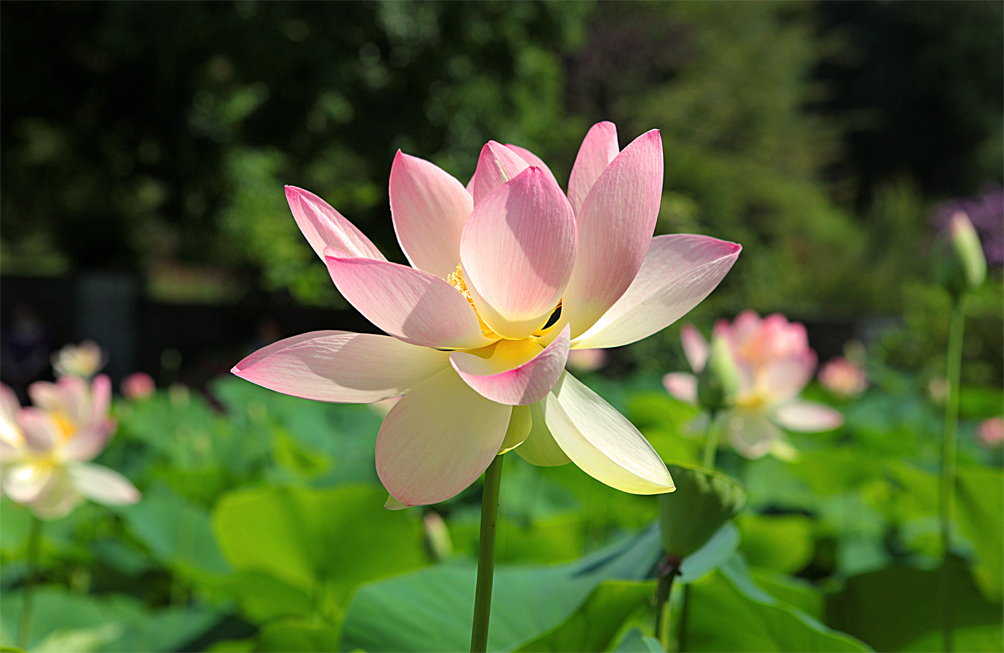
x=155, y=138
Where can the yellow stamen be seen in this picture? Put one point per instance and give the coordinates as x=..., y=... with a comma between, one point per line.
x=456, y=279
x=66, y=426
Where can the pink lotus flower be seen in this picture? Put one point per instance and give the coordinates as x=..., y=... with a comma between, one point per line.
x=507, y=275
x=586, y=360
x=990, y=432
x=45, y=450
x=843, y=377
x=138, y=385
x=83, y=360
x=774, y=362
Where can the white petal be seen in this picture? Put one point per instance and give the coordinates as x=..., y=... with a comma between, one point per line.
x=807, y=417
x=25, y=482
x=58, y=499
x=438, y=439
x=601, y=441
x=539, y=447
x=103, y=485
x=342, y=367
x=519, y=427
x=750, y=434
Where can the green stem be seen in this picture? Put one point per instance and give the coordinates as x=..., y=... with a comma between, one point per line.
x=711, y=442
x=668, y=570
x=34, y=542
x=681, y=626
x=949, y=444
x=486, y=556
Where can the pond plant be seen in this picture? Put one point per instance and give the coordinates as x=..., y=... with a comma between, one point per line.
x=507, y=275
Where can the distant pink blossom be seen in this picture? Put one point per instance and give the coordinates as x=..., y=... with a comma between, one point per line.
x=46, y=449
x=843, y=377
x=990, y=432
x=138, y=385
x=507, y=275
x=586, y=360
x=774, y=362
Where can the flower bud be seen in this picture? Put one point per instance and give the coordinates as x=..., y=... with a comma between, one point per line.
x=719, y=381
x=962, y=265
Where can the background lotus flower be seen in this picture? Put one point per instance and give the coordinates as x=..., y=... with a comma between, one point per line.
x=990, y=432
x=843, y=377
x=774, y=362
x=507, y=275
x=83, y=360
x=45, y=450
x=138, y=385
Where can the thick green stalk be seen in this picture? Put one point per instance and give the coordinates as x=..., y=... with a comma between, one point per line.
x=711, y=441
x=486, y=556
x=949, y=444
x=34, y=542
x=668, y=570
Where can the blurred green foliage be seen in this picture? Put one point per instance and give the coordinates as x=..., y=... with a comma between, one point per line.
x=262, y=528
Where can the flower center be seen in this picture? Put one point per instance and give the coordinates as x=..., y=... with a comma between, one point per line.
x=456, y=279
x=66, y=426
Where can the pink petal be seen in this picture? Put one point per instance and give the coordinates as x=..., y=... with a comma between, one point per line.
x=598, y=149
x=409, y=304
x=101, y=398
x=86, y=444
x=325, y=227
x=507, y=376
x=682, y=386
x=41, y=433
x=533, y=160
x=496, y=166
x=438, y=439
x=341, y=367
x=615, y=225
x=518, y=250
x=26, y=482
x=103, y=485
x=784, y=379
x=429, y=208
x=807, y=417
x=678, y=273
x=695, y=347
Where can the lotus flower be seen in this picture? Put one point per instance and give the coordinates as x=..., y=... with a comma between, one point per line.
x=45, y=450
x=83, y=360
x=507, y=275
x=843, y=377
x=990, y=432
x=138, y=385
x=774, y=362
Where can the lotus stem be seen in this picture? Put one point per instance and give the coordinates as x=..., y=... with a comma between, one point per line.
x=669, y=569
x=34, y=542
x=486, y=556
x=949, y=444
x=711, y=441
